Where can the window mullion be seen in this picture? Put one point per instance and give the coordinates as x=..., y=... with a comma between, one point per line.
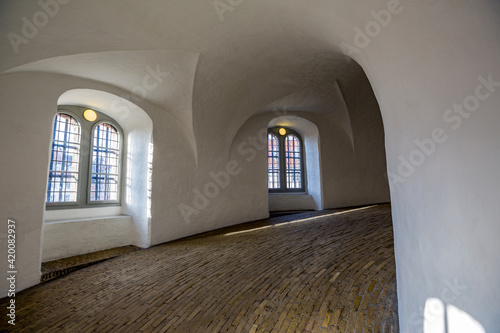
x=86, y=159
x=95, y=175
x=105, y=177
x=64, y=162
x=282, y=163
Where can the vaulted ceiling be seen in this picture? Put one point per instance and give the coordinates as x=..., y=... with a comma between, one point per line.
x=236, y=55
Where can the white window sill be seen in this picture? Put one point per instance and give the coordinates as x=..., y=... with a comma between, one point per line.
x=288, y=193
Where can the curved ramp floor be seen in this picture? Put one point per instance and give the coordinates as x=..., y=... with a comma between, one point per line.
x=329, y=271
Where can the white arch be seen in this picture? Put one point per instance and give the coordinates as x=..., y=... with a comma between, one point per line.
x=310, y=135
x=127, y=224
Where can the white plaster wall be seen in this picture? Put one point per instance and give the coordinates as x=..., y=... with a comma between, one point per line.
x=290, y=202
x=314, y=169
x=354, y=170
x=69, y=232
x=446, y=211
x=22, y=185
x=63, y=239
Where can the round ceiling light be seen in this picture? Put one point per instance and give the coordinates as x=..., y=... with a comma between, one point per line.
x=90, y=115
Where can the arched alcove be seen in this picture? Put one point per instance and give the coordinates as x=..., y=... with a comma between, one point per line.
x=68, y=232
x=312, y=198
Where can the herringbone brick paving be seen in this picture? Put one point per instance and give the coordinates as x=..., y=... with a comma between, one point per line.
x=330, y=273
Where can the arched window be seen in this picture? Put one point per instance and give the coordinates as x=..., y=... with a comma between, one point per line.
x=273, y=161
x=64, y=160
x=293, y=161
x=285, y=160
x=105, y=163
x=85, y=160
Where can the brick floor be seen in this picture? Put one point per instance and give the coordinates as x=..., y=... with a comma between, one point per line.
x=55, y=268
x=309, y=272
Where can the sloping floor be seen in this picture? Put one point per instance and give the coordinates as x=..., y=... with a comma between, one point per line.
x=56, y=268
x=329, y=271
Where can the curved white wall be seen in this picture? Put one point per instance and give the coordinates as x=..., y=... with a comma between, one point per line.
x=428, y=67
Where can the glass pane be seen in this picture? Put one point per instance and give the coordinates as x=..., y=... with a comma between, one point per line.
x=64, y=160
x=150, y=176
x=105, y=163
x=293, y=162
x=273, y=162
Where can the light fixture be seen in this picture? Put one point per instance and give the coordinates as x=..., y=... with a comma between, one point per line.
x=90, y=115
x=282, y=131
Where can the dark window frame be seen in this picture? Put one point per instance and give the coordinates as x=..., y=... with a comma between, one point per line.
x=282, y=161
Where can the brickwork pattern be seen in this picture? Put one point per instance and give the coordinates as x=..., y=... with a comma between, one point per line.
x=55, y=268
x=331, y=273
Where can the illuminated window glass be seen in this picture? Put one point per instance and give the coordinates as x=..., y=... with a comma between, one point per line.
x=273, y=162
x=85, y=166
x=293, y=162
x=284, y=161
x=105, y=163
x=150, y=176
x=64, y=160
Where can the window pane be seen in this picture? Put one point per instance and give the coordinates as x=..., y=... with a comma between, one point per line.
x=105, y=163
x=293, y=162
x=273, y=162
x=64, y=160
x=150, y=176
